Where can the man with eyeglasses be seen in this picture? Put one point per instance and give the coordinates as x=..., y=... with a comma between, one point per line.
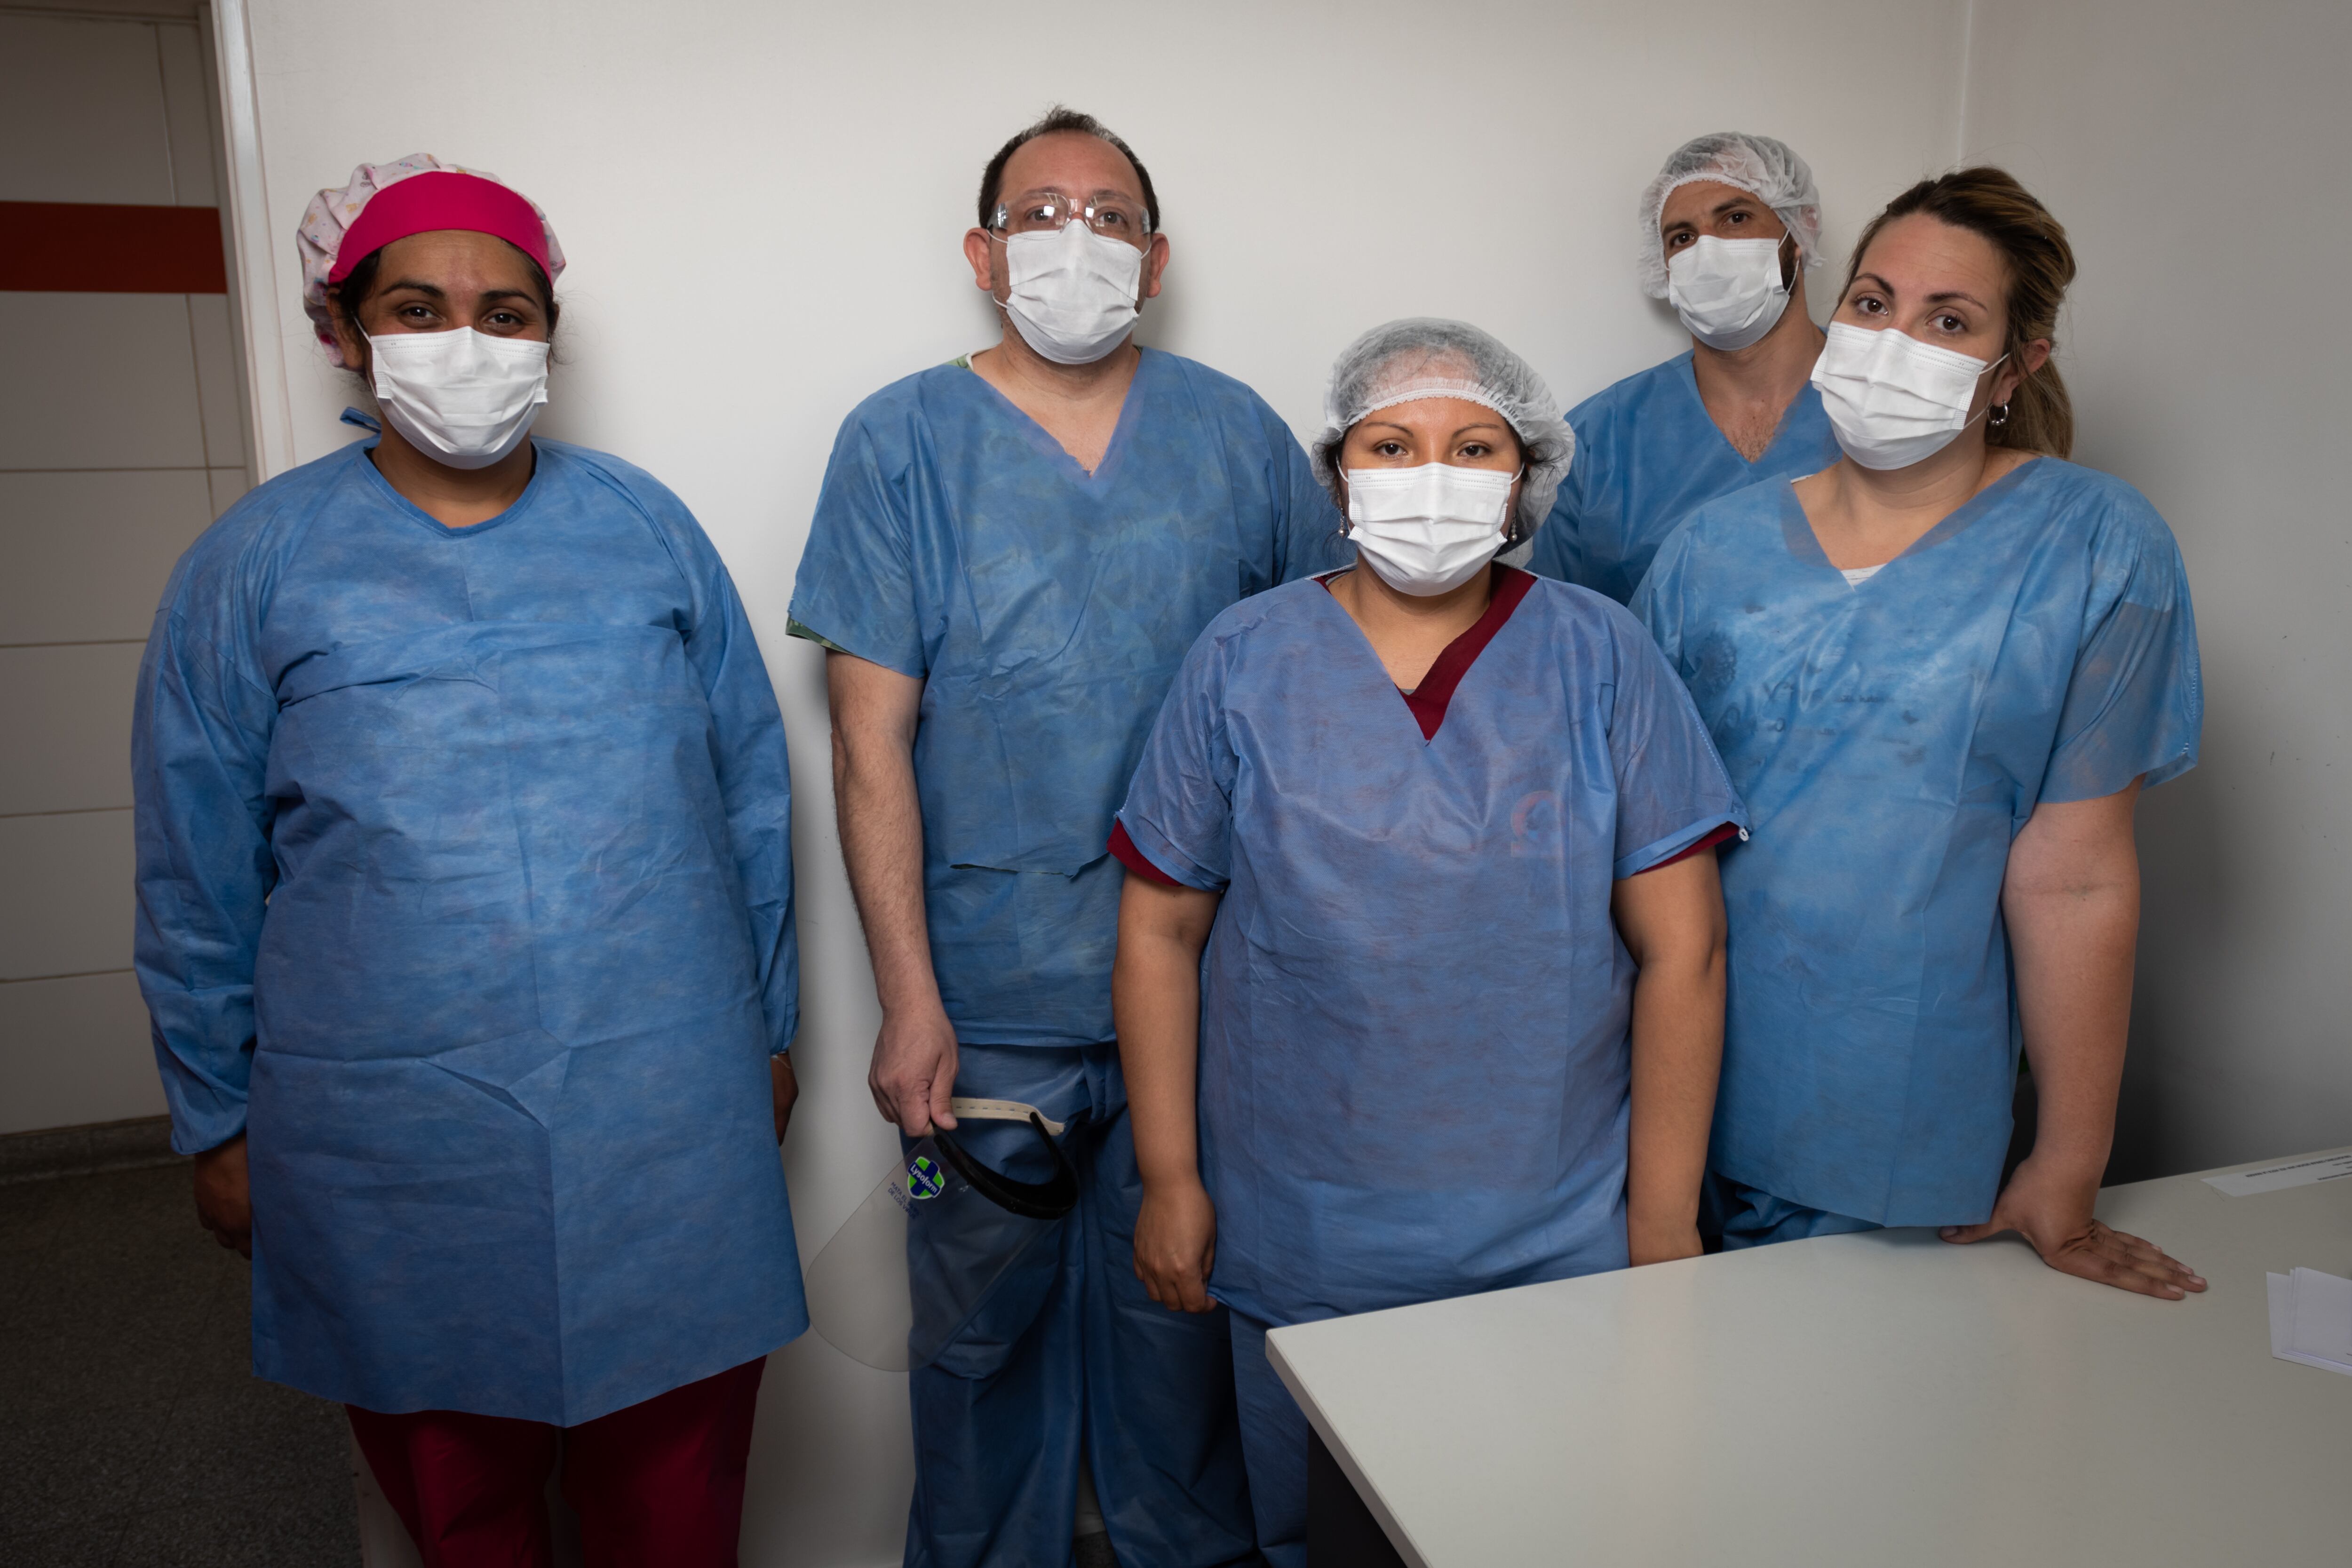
x=1010, y=555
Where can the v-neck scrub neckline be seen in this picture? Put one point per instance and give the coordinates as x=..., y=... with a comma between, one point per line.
x=1805, y=544
x=1428, y=700
x=1688, y=380
x=1102, y=473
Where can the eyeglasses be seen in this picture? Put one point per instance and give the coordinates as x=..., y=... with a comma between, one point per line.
x=1047, y=212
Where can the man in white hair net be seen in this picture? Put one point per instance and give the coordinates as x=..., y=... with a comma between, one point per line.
x=1728, y=229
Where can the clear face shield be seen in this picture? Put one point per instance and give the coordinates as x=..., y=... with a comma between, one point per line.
x=912, y=1266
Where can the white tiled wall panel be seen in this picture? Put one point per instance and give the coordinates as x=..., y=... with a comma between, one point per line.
x=186, y=116
x=97, y=381
x=73, y=1051
x=120, y=439
x=81, y=112
x=217, y=398
x=227, y=484
x=68, y=910
x=67, y=714
x=87, y=554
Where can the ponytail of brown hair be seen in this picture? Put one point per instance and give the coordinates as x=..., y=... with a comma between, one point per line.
x=2041, y=264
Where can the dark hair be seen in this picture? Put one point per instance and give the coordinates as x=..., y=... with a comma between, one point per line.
x=359, y=283
x=1057, y=120
x=2039, y=263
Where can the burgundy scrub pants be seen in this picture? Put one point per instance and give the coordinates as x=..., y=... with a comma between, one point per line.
x=660, y=1482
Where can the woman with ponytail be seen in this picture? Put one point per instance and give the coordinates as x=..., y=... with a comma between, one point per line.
x=1941, y=672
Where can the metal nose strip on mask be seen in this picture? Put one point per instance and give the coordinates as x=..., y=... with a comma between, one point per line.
x=1002, y=1111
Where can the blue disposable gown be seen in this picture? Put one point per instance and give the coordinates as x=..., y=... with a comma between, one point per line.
x=1045, y=610
x=465, y=883
x=1648, y=454
x=1414, y=1060
x=1891, y=739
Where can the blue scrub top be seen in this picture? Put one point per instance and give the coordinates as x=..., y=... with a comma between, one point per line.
x=1044, y=609
x=1648, y=454
x=465, y=886
x=1891, y=739
x=1414, y=1062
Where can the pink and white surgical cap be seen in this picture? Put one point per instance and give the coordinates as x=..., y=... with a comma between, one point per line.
x=355, y=219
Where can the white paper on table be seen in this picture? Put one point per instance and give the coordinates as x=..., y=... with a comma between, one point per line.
x=2283, y=1325
x=2323, y=1314
x=2293, y=1174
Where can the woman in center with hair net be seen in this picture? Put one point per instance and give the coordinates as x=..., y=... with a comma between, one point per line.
x=1442, y=827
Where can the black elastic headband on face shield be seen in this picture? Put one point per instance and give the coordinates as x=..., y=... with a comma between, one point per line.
x=1048, y=1199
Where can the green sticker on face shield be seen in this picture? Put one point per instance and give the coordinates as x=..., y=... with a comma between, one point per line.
x=906, y=1271
x=925, y=1179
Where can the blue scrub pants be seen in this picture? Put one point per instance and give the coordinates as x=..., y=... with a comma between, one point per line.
x=1274, y=1440
x=1740, y=1215
x=1068, y=1355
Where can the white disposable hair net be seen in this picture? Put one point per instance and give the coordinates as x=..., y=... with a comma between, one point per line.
x=1767, y=170
x=1423, y=356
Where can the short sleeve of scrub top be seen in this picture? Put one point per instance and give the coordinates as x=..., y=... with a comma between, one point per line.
x=856, y=585
x=2135, y=704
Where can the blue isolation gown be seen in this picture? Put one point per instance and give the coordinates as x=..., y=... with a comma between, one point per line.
x=1045, y=610
x=1648, y=454
x=465, y=887
x=1891, y=739
x=1414, y=1068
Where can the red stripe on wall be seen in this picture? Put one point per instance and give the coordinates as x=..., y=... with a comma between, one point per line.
x=88, y=247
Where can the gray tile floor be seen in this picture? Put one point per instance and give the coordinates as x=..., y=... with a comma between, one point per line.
x=133, y=1432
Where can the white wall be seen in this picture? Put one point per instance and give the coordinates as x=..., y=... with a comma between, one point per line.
x=2199, y=155
x=763, y=204
x=121, y=437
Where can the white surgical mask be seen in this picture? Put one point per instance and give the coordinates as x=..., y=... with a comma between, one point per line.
x=1427, y=530
x=1727, y=291
x=461, y=398
x=1893, y=400
x=1073, y=292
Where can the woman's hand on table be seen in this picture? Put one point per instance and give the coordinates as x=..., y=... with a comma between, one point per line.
x=2054, y=1215
x=1176, y=1243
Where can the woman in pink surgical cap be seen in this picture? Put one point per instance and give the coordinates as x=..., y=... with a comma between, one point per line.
x=465, y=919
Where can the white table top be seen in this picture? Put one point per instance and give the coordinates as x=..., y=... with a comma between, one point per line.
x=1878, y=1399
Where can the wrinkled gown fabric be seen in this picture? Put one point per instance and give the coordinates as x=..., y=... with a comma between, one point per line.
x=1414, y=1060
x=465, y=885
x=1648, y=454
x=1275, y=1436
x=1068, y=1356
x=1891, y=739
x=1737, y=1216
x=1044, y=609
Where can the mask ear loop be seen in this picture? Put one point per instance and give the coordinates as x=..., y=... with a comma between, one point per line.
x=1990, y=423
